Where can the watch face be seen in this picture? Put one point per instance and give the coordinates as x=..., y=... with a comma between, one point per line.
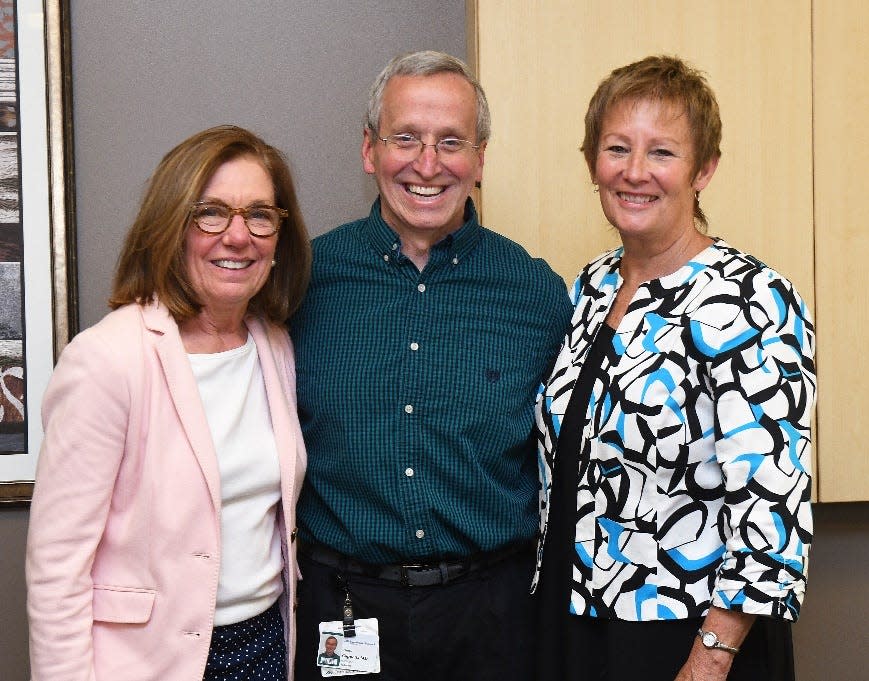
x=709, y=639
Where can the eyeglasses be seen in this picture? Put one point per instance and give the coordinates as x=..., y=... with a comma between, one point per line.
x=408, y=146
x=214, y=218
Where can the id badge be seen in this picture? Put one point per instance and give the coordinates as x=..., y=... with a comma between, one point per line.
x=340, y=655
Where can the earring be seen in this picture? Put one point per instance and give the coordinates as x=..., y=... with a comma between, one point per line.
x=596, y=189
x=274, y=262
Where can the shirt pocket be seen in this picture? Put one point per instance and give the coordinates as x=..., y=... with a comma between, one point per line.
x=126, y=605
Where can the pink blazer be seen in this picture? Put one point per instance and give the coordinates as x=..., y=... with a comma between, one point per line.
x=123, y=550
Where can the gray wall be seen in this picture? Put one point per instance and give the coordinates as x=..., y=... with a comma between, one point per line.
x=831, y=642
x=146, y=75
x=297, y=73
x=14, y=665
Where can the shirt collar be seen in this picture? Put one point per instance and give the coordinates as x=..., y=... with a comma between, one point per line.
x=460, y=243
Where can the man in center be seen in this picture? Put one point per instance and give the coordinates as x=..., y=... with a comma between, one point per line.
x=420, y=348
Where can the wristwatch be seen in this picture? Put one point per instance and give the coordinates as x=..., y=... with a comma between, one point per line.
x=710, y=640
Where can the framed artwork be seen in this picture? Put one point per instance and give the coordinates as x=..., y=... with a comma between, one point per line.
x=37, y=258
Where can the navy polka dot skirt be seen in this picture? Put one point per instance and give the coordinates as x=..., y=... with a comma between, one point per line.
x=252, y=650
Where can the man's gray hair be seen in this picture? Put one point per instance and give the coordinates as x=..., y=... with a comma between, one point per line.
x=427, y=63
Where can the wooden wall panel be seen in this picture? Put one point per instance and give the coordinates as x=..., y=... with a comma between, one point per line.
x=841, y=143
x=540, y=63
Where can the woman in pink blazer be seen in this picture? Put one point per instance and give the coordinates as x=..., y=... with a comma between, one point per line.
x=162, y=524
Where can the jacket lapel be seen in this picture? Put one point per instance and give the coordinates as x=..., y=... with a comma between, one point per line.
x=184, y=392
x=592, y=309
x=274, y=368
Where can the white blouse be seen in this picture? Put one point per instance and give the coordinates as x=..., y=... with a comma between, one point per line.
x=236, y=406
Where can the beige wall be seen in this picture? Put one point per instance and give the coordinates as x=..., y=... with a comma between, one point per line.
x=540, y=63
x=841, y=149
x=794, y=144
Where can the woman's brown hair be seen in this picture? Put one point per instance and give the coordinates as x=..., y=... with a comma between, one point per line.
x=151, y=263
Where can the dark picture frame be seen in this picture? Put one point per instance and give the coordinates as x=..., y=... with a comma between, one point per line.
x=45, y=252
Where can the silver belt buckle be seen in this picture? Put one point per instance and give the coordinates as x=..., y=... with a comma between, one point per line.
x=403, y=569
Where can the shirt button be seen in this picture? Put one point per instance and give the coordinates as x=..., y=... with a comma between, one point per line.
x=421, y=288
x=386, y=257
x=408, y=408
x=455, y=261
x=408, y=472
x=420, y=534
x=414, y=346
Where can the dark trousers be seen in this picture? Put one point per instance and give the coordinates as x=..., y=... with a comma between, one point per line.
x=479, y=626
x=592, y=649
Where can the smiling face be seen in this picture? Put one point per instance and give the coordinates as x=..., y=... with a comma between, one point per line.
x=226, y=270
x=424, y=199
x=330, y=644
x=644, y=169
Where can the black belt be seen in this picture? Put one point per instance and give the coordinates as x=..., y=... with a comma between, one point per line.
x=411, y=574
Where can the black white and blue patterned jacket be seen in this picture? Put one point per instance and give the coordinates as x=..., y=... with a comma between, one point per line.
x=695, y=462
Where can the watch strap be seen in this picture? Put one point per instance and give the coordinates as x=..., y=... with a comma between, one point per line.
x=716, y=642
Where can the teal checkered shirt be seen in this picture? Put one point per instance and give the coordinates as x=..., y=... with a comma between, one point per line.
x=416, y=391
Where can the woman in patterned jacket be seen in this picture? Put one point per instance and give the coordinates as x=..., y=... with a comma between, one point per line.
x=674, y=436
